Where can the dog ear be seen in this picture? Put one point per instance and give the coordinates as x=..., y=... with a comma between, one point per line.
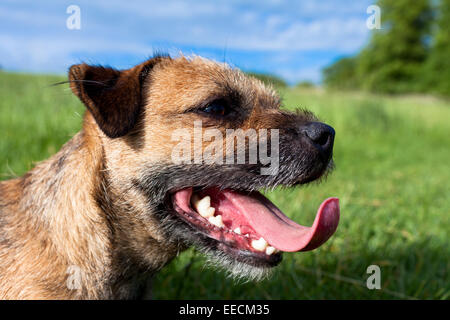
x=114, y=97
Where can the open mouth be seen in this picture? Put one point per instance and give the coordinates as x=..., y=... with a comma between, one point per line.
x=248, y=224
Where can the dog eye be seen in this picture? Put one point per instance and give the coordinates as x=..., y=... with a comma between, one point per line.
x=217, y=108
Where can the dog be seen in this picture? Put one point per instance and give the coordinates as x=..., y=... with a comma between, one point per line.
x=103, y=215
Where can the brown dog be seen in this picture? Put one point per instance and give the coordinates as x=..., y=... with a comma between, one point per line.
x=114, y=205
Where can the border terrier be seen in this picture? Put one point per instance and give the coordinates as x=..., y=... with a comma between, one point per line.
x=99, y=218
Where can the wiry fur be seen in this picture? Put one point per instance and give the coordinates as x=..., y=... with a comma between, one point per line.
x=102, y=203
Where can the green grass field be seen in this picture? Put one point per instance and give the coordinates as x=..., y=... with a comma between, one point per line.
x=392, y=176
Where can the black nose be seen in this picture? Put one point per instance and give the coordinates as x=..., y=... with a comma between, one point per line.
x=321, y=135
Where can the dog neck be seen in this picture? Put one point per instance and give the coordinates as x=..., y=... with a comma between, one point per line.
x=72, y=226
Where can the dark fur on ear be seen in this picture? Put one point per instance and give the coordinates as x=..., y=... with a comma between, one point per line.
x=114, y=97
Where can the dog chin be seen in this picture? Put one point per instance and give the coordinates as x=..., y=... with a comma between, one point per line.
x=234, y=267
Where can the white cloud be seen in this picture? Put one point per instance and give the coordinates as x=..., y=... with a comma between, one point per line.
x=33, y=36
x=56, y=54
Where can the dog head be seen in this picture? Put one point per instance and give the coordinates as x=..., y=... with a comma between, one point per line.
x=188, y=143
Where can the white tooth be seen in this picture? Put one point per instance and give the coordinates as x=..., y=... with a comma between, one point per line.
x=210, y=212
x=260, y=244
x=217, y=221
x=237, y=230
x=247, y=235
x=203, y=206
x=270, y=250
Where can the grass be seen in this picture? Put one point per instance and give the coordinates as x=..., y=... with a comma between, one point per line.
x=392, y=176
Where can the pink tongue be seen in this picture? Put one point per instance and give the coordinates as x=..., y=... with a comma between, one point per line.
x=280, y=231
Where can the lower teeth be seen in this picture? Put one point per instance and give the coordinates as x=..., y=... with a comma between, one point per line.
x=204, y=208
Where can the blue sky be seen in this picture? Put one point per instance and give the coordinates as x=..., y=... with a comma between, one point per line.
x=292, y=39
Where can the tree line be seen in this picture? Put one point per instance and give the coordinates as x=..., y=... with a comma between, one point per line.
x=409, y=53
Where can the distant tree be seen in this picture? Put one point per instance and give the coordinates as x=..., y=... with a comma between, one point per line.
x=269, y=79
x=436, y=72
x=393, y=59
x=341, y=74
